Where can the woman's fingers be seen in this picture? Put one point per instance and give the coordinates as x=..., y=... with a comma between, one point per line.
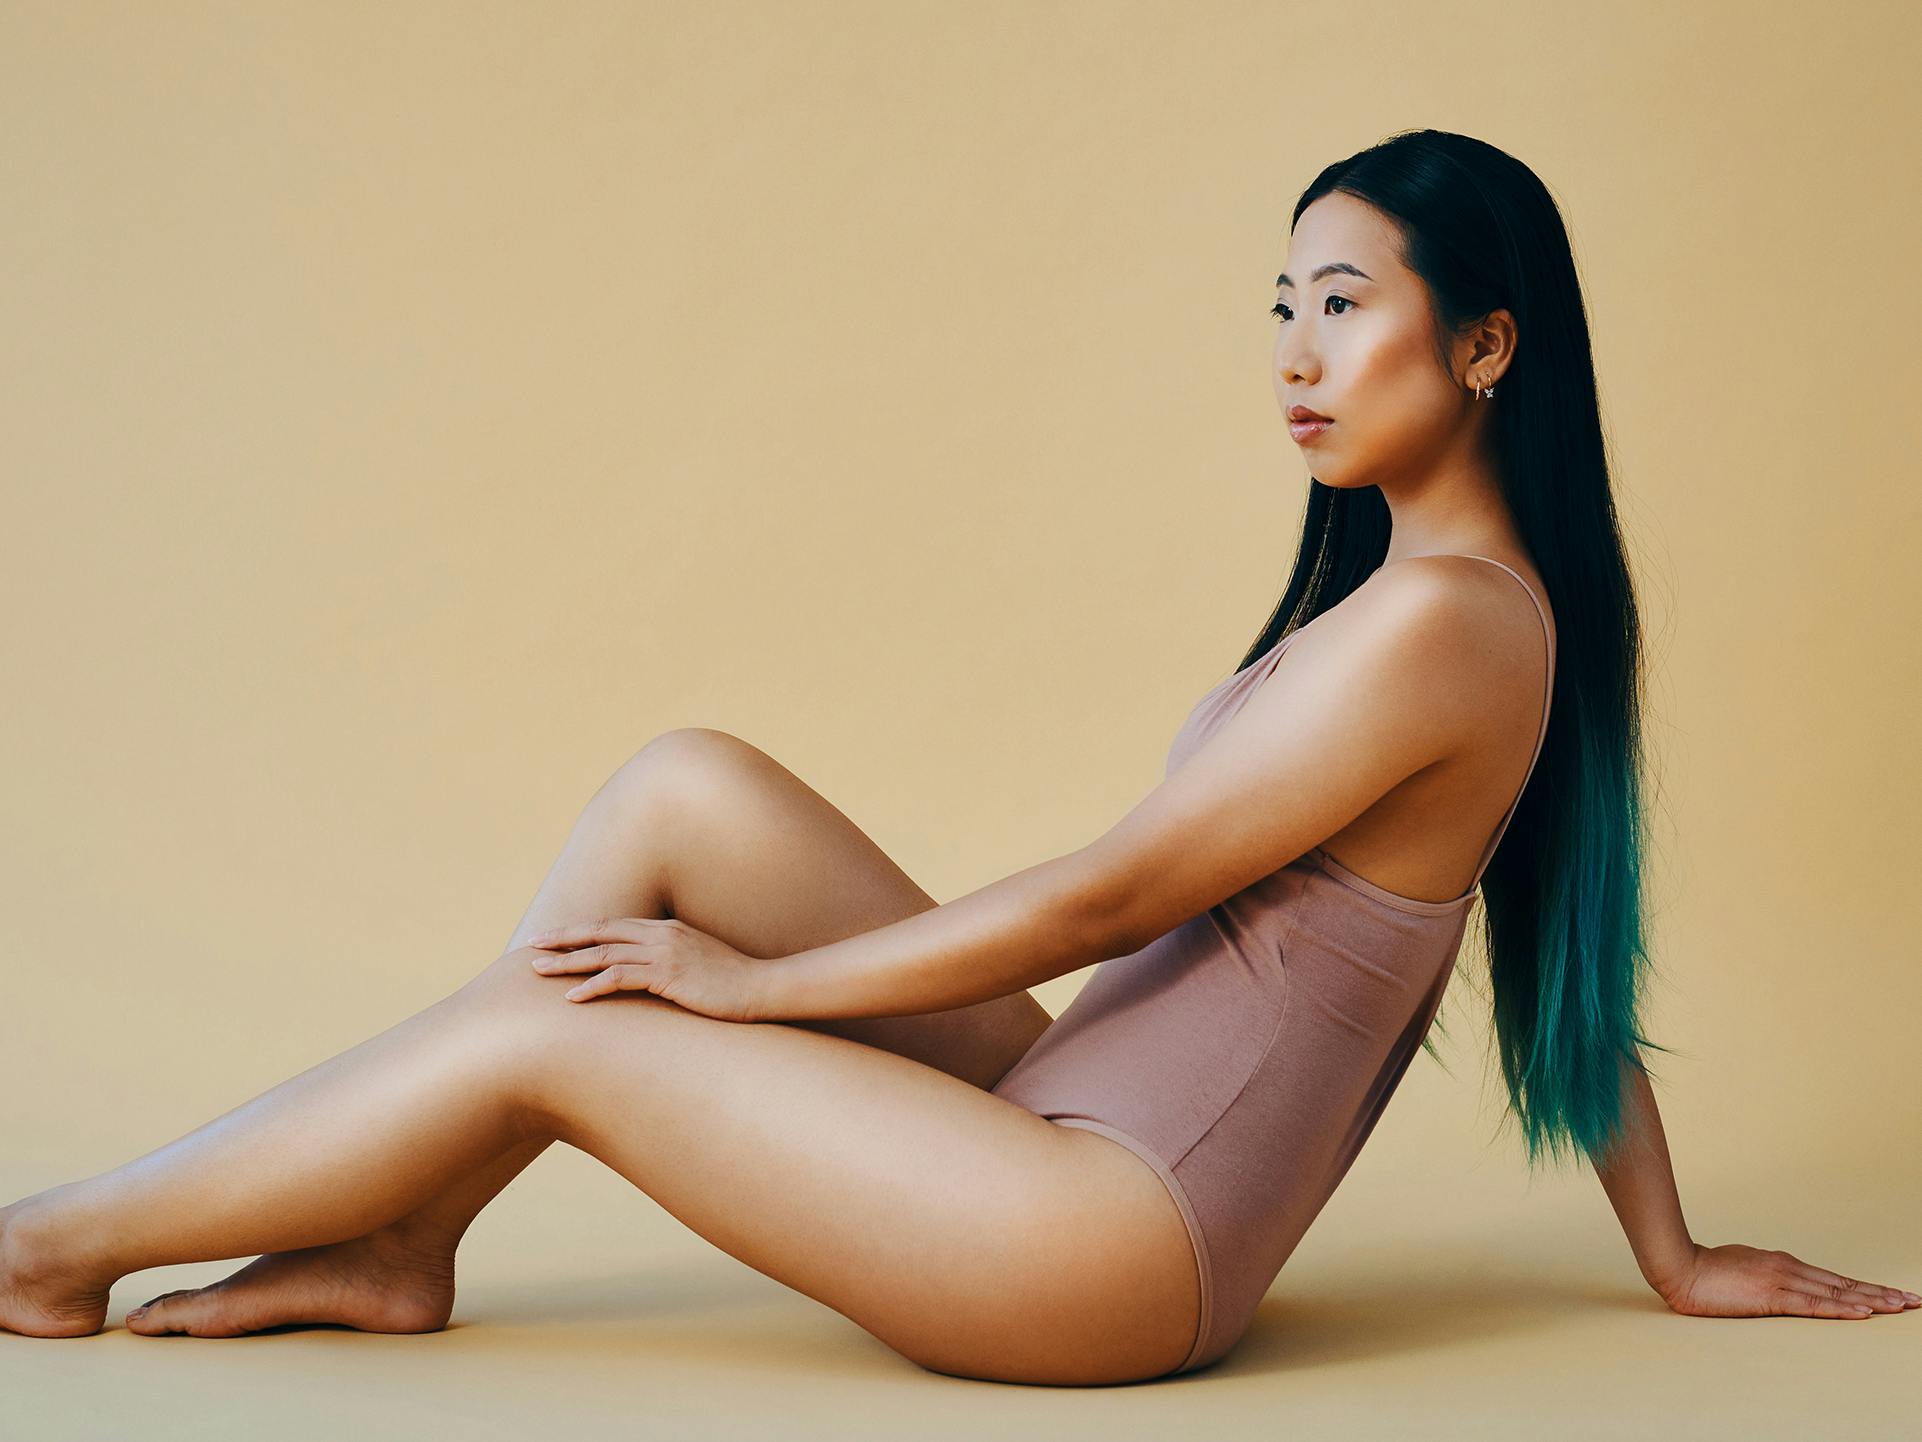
x=1788, y=1302
x=571, y=934
x=596, y=957
x=610, y=967
x=1820, y=1279
x=622, y=976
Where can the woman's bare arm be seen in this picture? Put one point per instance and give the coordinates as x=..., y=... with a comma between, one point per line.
x=1732, y=1280
x=1640, y=1184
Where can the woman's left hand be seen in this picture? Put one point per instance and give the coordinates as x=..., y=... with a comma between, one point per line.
x=1739, y=1281
x=664, y=956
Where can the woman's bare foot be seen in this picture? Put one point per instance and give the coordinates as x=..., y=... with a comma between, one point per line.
x=397, y=1279
x=38, y=1298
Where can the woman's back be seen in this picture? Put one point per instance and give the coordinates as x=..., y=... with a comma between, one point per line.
x=1247, y=1054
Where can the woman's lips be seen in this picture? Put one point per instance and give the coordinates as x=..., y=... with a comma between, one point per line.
x=1301, y=432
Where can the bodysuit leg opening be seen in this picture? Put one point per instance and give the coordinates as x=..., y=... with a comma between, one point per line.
x=1203, y=1270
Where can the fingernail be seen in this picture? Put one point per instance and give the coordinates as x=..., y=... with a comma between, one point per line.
x=136, y=1312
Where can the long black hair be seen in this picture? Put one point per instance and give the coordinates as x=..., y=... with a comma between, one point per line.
x=1563, y=896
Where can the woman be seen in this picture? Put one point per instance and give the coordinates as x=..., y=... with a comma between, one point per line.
x=728, y=994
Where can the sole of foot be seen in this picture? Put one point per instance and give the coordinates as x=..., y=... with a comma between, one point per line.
x=386, y=1281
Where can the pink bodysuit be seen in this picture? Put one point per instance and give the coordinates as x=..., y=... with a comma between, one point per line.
x=1247, y=1054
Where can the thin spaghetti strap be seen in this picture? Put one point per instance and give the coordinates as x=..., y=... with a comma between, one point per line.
x=1541, y=733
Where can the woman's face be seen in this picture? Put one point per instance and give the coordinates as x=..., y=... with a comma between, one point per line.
x=1360, y=349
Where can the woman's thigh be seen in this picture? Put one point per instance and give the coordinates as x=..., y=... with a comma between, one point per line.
x=745, y=850
x=963, y=1231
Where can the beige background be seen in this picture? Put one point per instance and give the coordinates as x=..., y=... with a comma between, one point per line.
x=410, y=410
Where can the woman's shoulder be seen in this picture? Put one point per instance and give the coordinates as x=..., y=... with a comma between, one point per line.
x=1470, y=622
x=1476, y=600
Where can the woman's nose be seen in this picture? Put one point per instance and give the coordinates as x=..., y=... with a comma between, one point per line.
x=1290, y=362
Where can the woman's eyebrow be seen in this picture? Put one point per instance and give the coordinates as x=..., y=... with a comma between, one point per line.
x=1329, y=269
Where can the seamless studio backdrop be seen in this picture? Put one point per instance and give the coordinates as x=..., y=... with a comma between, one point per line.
x=409, y=411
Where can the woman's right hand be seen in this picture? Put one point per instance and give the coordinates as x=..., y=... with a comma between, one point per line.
x=1738, y=1281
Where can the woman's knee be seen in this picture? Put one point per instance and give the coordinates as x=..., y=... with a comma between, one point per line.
x=638, y=809
x=683, y=764
x=511, y=978
x=527, y=1009
x=534, y=1004
x=667, y=795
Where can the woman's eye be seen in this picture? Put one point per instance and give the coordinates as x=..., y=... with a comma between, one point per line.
x=1281, y=311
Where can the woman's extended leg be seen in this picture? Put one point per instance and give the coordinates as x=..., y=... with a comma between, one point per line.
x=966, y=1233
x=698, y=824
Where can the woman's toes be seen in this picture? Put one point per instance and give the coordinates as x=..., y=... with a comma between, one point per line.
x=170, y=1312
x=146, y=1305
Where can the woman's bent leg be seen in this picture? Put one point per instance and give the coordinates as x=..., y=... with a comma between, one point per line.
x=702, y=825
